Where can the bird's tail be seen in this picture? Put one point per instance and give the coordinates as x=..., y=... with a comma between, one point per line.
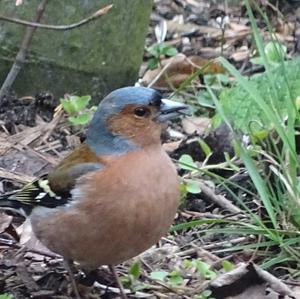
x=36, y=193
x=9, y=201
x=23, y=200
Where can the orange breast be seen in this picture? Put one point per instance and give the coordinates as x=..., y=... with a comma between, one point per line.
x=121, y=210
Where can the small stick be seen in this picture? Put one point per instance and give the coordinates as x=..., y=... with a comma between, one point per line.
x=92, y=17
x=219, y=199
x=119, y=284
x=14, y=176
x=163, y=70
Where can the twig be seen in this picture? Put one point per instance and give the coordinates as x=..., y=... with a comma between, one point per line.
x=219, y=199
x=211, y=246
x=20, y=177
x=198, y=215
x=162, y=284
x=20, y=58
x=92, y=17
x=162, y=71
x=276, y=284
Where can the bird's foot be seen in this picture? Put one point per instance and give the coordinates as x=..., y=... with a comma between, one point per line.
x=71, y=270
x=118, y=281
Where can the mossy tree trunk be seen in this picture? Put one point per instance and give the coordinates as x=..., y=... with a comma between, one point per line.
x=93, y=59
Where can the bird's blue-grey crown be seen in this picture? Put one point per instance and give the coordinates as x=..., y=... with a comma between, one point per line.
x=118, y=99
x=104, y=142
x=99, y=138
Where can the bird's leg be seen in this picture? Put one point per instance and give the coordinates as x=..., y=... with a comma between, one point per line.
x=70, y=268
x=119, y=283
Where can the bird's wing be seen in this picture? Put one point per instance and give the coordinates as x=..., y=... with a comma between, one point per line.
x=41, y=193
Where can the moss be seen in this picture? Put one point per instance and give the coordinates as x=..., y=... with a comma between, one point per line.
x=94, y=58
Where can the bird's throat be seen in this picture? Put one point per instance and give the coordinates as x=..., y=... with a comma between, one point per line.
x=108, y=144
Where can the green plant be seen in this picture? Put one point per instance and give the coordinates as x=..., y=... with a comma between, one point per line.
x=217, y=82
x=203, y=268
x=265, y=108
x=77, y=109
x=275, y=53
x=131, y=280
x=159, y=50
x=6, y=296
x=173, y=278
x=250, y=101
x=190, y=183
x=204, y=295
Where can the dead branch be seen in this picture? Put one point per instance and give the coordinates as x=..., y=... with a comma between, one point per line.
x=102, y=11
x=219, y=199
x=14, y=176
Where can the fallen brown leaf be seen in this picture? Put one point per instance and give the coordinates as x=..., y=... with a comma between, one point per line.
x=197, y=125
x=178, y=69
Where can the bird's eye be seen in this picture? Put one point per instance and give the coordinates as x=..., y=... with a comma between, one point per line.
x=141, y=111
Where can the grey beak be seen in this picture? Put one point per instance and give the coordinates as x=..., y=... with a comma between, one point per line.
x=170, y=109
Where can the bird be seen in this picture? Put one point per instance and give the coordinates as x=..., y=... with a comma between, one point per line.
x=116, y=194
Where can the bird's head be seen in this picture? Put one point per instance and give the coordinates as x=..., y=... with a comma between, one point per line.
x=133, y=115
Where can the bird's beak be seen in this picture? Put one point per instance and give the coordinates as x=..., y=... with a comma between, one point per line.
x=170, y=109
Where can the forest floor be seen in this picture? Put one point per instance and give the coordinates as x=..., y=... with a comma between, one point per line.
x=34, y=136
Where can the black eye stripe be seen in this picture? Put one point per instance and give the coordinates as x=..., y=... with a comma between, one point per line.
x=156, y=99
x=156, y=102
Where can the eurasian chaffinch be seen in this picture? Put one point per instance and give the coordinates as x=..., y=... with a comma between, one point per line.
x=115, y=195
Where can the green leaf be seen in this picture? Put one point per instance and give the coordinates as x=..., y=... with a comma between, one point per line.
x=201, y=266
x=159, y=275
x=154, y=50
x=297, y=103
x=204, y=99
x=162, y=49
x=193, y=186
x=187, y=264
x=152, y=63
x=6, y=296
x=81, y=119
x=175, y=278
x=186, y=162
x=93, y=108
x=209, y=79
x=75, y=104
x=204, y=269
x=206, y=294
x=81, y=102
x=245, y=112
x=68, y=106
x=227, y=266
x=224, y=78
x=259, y=136
x=135, y=270
x=169, y=51
x=205, y=147
x=257, y=60
x=275, y=51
